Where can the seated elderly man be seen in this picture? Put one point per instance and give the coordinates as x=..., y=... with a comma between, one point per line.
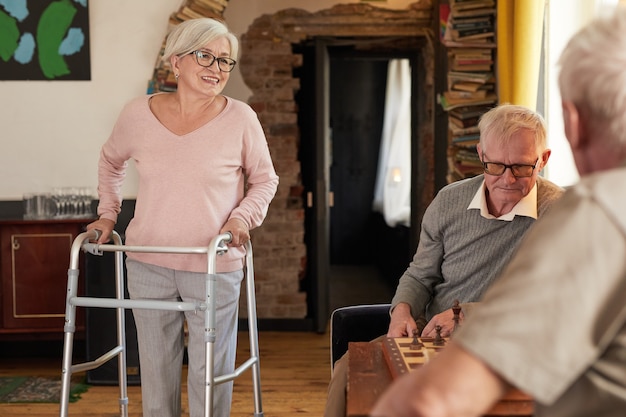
x=554, y=323
x=469, y=231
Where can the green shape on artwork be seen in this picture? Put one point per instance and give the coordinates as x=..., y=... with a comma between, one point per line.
x=53, y=25
x=9, y=36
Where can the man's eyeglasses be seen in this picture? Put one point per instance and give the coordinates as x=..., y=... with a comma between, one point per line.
x=518, y=170
x=206, y=59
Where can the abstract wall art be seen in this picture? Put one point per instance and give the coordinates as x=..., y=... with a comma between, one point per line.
x=44, y=40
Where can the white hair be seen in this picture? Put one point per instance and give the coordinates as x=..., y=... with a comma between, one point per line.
x=593, y=74
x=194, y=34
x=501, y=123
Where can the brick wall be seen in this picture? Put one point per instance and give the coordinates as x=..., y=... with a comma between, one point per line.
x=267, y=63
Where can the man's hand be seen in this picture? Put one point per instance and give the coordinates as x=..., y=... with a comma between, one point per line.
x=402, y=323
x=444, y=319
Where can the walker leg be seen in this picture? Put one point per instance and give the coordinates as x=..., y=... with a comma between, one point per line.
x=121, y=334
x=209, y=339
x=253, y=333
x=66, y=373
x=68, y=340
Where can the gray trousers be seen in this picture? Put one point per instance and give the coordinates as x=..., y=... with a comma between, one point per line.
x=160, y=336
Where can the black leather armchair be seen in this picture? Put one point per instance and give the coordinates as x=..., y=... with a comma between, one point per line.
x=360, y=323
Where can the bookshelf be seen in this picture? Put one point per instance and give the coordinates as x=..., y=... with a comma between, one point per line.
x=468, y=34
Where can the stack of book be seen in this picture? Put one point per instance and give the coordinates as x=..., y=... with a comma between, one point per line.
x=163, y=80
x=194, y=9
x=471, y=22
x=463, y=131
x=469, y=35
x=469, y=88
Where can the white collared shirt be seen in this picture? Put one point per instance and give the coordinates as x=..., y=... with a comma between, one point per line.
x=527, y=206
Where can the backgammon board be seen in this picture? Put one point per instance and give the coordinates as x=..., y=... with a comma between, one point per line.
x=404, y=354
x=370, y=372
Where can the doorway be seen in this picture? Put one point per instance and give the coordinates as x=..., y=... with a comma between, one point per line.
x=353, y=257
x=358, y=274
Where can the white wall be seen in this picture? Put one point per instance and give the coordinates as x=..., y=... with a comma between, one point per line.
x=52, y=131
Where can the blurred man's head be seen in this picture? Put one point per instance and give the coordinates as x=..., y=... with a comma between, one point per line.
x=592, y=82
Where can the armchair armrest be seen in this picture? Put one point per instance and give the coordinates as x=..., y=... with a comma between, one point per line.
x=359, y=323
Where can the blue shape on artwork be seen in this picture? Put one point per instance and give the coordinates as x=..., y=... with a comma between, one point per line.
x=73, y=42
x=26, y=49
x=16, y=8
x=81, y=2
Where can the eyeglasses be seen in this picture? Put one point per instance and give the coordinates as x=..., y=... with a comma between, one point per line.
x=518, y=170
x=206, y=59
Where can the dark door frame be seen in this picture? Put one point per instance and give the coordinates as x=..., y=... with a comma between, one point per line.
x=319, y=198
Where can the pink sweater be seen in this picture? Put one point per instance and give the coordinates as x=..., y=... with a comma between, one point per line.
x=189, y=185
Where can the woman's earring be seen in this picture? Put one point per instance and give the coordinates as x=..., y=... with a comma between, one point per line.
x=176, y=76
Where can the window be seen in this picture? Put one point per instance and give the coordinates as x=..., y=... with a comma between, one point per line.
x=562, y=19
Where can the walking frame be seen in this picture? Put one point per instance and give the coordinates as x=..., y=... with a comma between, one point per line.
x=216, y=247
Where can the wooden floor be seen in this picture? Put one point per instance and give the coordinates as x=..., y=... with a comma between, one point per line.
x=295, y=372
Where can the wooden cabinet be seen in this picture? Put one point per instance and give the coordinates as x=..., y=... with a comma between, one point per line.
x=34, y=259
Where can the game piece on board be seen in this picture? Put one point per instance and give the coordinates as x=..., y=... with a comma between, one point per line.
x=416, y=344
x=438, y=339
x=456, y=309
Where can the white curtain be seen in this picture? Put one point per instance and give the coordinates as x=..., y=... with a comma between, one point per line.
x=392, y=193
